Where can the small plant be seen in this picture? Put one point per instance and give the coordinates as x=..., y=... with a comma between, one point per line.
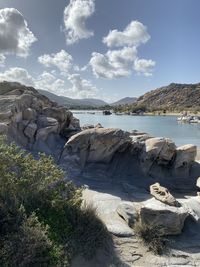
x=152, y=236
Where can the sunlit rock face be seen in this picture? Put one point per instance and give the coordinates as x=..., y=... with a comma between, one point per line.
x=33, y=121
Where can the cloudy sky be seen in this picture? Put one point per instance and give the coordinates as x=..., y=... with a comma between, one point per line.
x=104, y=49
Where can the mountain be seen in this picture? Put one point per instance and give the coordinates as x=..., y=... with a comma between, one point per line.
x=175, y=96
x=74, y=103
x=124, y=101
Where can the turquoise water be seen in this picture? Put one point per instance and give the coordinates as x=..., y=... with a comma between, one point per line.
x=160, y=126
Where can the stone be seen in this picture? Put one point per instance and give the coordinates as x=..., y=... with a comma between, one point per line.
x=98, y=125
x=87, y=126
x=127, y=211
x=161, y=150
x=96, y=145
x=198, y=182
x=170, y=218
x=29, y=114
x=185, y=155
x=3, y=128
x=30, y=130
x=162, y=194
x=44, y=121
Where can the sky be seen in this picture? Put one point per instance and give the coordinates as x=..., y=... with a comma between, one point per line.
x=107, y=49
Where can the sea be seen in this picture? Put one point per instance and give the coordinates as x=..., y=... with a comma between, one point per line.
x=158, y=126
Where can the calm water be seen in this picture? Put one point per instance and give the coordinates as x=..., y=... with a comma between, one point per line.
x=160, y=126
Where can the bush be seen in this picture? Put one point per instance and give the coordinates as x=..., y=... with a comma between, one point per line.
x=34, y=208
x=42, y=220
x=151, y=236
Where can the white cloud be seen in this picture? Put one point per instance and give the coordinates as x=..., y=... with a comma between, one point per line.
x=2, y=60
x=49, y=82
x=133, y=35
x=81, y=88
x=17, y=75
x=75, y=16
x=15, y=36
x=114, y=64
x=144, y=66
x=62, y=60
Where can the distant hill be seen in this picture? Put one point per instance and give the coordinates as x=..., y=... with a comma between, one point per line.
x=73, y=103
x=124, y=101
x=174, y=96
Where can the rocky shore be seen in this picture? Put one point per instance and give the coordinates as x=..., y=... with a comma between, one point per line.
x=125, y=176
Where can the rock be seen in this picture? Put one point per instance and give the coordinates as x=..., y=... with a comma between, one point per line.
x=127, y=211
x=161, y=150
x=162, y=194
x=192, y=206
x=74, y=124
x=87, y=126
x=98, y=125
x=169, y=217
x=3, y=128
x=198, y=182
x=185, y=155
x=29, y=114
x=44, y=121
x=30, y=130
x=96, y=145
x=106, y=206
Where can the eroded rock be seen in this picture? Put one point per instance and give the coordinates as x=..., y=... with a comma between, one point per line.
x=162, y=194
x=170, y=218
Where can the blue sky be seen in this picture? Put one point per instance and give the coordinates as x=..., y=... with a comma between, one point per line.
x=147, y=44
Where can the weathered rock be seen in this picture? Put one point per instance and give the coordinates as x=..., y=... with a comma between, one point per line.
x=127, y=211
x=162, y=194
x=98, y=125
x=30, y=130
x=170, y=218
x=3, y=128
x=29, y=114
x=96, y=145
x=198, y=182
x=161, y=150
x=185, y=155
x=87, y=126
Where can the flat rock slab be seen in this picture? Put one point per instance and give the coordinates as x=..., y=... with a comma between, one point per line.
x=106, y=206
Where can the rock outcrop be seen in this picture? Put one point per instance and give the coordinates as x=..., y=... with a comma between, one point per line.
x=171, y=219
x=33, y=121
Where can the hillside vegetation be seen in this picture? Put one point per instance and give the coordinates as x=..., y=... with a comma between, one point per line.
x=174, y=97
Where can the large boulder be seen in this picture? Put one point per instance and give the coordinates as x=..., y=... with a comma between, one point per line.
x=170, y=218
x=96, y=145
x=185, y=155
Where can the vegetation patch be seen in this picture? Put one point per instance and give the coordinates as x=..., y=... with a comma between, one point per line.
x=42, y=221
x=152, y=236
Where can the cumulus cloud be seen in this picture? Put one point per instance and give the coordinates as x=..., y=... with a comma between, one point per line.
x=81, y=88
x=2, y=60
x=75, y=16
x=15, y=36
x=114, y=64
x=133, y=35
x=144, y=66
x=62, y=60
x=49, y=82
x=17, y=75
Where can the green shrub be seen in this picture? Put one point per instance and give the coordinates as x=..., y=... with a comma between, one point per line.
x=152, y=236
x=42, y=220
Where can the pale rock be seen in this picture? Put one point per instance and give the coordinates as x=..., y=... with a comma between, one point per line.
x=162, y=194
x=170, y=218
x=127, y=211
x=185, y=155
